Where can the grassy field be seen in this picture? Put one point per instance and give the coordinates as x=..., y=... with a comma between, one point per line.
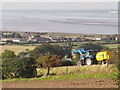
x=74, y=73
x=112, y=46
x=94, y=69
x=19, y=48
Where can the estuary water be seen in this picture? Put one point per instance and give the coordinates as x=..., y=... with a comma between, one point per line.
x=66, y=21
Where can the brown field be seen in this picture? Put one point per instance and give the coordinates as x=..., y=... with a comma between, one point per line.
x=81, y=83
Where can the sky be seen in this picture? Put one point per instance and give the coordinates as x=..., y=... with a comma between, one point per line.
x=60, y=5
x=59, y=1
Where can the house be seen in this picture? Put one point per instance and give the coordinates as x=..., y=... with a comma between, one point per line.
x=17, y=40
x=5, y=39
x=98, y=39
x=43, y=39
x=117, y=37
x=54, y=39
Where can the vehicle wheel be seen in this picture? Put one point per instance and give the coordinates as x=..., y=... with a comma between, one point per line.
x=104, y=62
x=88, y=61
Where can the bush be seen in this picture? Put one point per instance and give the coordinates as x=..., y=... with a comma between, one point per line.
x=91, y=46
x=17, y=67
x=8, y=54
x=68, y=63
x=29, y=68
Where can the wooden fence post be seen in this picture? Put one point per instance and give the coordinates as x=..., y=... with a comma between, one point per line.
x=107, y=63
x=67, y=70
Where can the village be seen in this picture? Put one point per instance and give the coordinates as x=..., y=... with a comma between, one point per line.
x=37, y=37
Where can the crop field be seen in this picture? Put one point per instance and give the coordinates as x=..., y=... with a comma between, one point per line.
x=95, y=76
x=16, y=48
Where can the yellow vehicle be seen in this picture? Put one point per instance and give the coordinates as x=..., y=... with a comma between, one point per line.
x=103, y=56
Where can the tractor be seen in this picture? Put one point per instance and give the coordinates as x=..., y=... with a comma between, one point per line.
x=89, y=57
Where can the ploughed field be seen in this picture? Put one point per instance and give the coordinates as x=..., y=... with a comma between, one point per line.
x=80, y=83
x=95, y=76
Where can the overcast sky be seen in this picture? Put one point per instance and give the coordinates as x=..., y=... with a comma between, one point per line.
x=60, y=5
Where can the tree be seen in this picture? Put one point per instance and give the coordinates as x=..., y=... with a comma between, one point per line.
x=91, y=46
x=13, y=35
x=48, y=61
x=29, y=67
x=7, y=58
x=47, y=49
x=8, y=54
x=28, y=63
x=16, y=35
x=68, y=49
x=25, y=53
x=16, y=66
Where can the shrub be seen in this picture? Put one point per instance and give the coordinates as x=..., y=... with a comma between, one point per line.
x=68, y=63
x=91, y=46
x=8, y=54
x=17, y=67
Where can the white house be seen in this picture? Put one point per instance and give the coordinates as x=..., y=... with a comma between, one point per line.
x=98, y=39
x=5, y=39
x=16, y=40
x=116, y=38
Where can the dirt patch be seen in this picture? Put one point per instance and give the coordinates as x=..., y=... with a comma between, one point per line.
x=81, y=83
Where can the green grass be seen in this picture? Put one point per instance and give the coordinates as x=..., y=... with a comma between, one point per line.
x=94, y=69
x=74, y=72
x=68, y=77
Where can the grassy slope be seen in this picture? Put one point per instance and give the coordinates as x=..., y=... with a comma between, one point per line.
x=93, y=69
x=75, y=72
